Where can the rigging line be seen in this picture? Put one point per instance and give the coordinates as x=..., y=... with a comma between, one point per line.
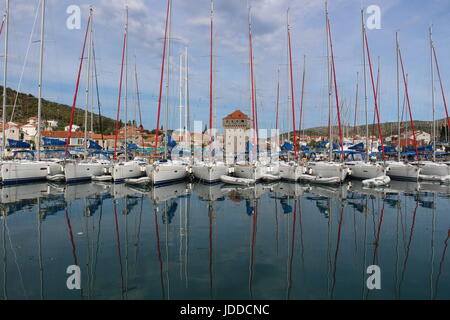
x=98, y=93
x=291, y=76
x=120, y=95
x=341, y=141
x=30, y=41
x=375, y=96
x=441, y=85
x=77, y=88
x=409, y=104
x=162, y=79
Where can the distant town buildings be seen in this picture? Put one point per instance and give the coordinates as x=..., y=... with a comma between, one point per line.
x=234, y=139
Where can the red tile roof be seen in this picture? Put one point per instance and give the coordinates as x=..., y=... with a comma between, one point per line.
x=236, y=115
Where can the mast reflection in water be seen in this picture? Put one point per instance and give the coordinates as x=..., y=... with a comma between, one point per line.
x=196, y=241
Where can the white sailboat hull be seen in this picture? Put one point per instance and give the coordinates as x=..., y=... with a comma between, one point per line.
x=15, y=172
x=435, y=169
x=126, y=170
x=364, y=171
x=403, y=171
x=252, y=172
x=209, y=172
x=76, y=172
x=328, y=170
x=166, y=173
x=291, y=172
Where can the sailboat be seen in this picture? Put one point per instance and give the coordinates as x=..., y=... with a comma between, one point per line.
x=292, y=170
x=125, y=168
x=77, y=171
x=330, y=171
x=20, y=171
x=166, y=170
x=365, y=169
x=432, y=170
x=402, y=170
x=210, y=170
x=252, y=170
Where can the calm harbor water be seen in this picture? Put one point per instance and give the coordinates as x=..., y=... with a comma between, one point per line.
x=193, y=241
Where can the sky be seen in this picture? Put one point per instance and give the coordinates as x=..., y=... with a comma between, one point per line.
x=190, y=28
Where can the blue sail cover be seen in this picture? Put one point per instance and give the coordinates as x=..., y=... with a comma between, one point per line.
x=428, y=148
x=359, y=146
x=94, y=145
x=287, y=146
x=305, y=148
x=171, y=143
x=53, y=142
x=18, y=144
x=323, y=144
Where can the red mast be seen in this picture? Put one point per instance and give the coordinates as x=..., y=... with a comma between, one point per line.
x=291, y=74
x=120, y=93
x=442, y=87
x=1, y=27
x=375, y=97
x=336, y=90
x=409, y=103
x=162, y=77
x=76, y=88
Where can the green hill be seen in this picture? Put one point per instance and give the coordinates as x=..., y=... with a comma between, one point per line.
x=27, y=106
x=388, y=129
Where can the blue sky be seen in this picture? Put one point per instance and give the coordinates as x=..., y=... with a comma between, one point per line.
x=191, y=28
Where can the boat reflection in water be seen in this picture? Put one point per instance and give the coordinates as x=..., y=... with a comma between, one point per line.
x=198, y=241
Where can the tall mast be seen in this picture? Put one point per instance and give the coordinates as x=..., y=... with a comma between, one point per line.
x=355, y=120
x=330, y=138
x=169, y=38
x=5, y=75
x=278, y=100
x=88, y=81
x=119, y=100
x=158, y=118
x=211, y=78
x=41, y=66
x=398, y=98
x=186, y=110
x=375, y=95
x=366, y=109
x=338, y=108
x=181, y=94
x=291, y=75
x=432, y=93
x=77, y=86
x=126, y=84
x=252, y=85
x=138, y=99
x=441, y=86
